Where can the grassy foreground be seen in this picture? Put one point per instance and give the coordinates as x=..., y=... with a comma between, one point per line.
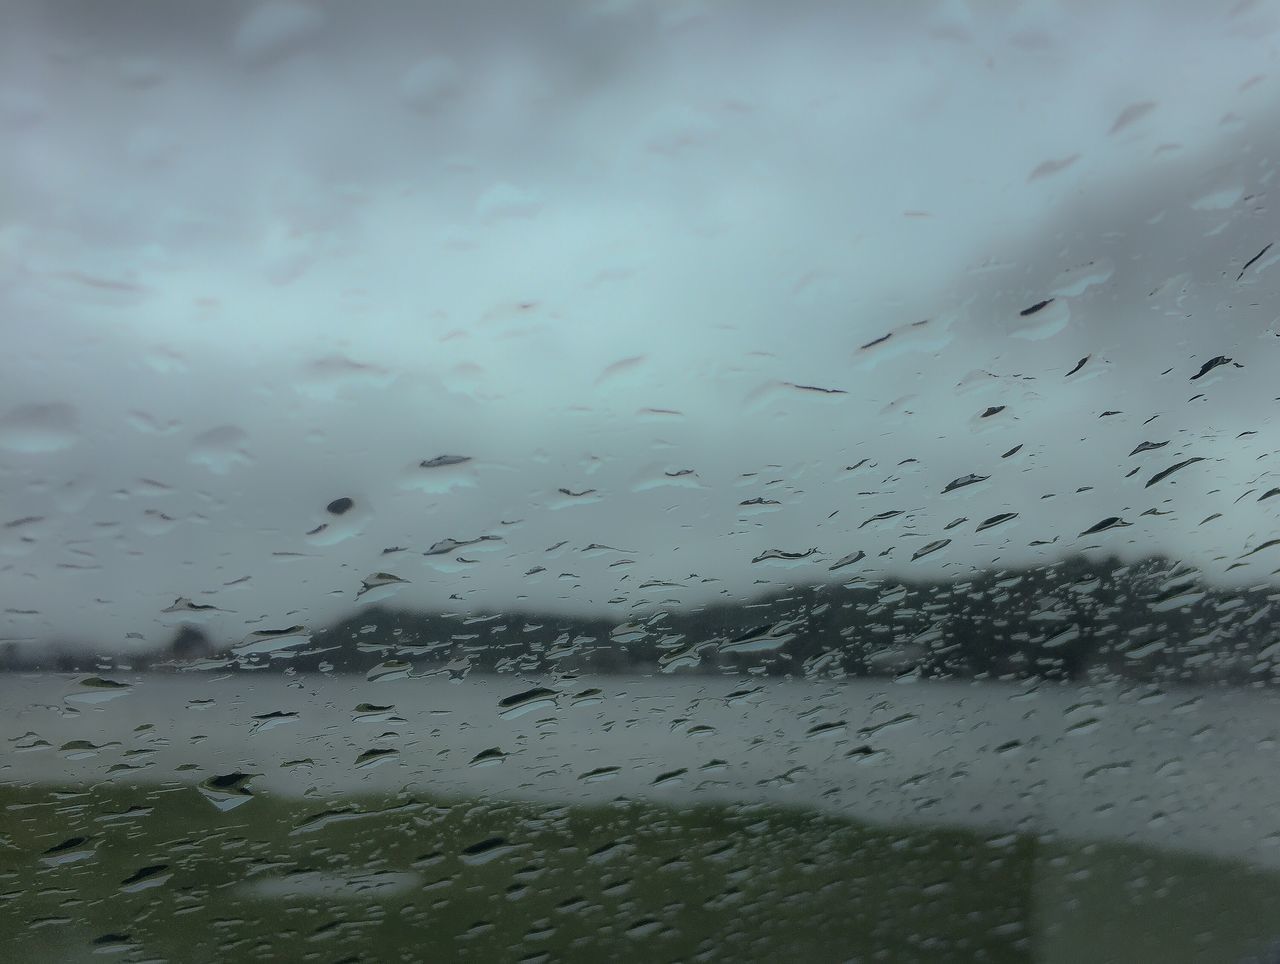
x=164, y=874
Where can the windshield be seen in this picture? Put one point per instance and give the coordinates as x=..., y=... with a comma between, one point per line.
x=639, y=480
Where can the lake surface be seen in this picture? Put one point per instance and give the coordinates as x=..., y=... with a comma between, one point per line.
x=1183, y=769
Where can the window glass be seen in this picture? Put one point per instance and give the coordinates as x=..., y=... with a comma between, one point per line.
x=639, y=480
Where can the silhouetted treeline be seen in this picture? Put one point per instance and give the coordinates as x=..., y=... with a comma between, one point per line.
x=1078, y=618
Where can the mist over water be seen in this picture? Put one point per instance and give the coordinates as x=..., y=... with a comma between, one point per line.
x=616, y=308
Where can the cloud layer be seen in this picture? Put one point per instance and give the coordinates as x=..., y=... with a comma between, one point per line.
x=625, y=306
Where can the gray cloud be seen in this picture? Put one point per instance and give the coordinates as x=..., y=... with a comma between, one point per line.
x=636, y=262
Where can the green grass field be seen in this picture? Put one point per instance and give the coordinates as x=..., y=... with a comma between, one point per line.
x=162, y=874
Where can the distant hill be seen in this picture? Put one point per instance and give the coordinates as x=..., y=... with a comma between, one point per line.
x=1154, y=620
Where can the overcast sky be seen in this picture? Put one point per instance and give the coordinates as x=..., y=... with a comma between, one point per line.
x=637, y=263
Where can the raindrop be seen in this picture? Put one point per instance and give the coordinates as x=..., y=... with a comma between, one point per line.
x=272, y=640
x=821, y=731
x=145, y=878
x=1171, y=469
x=1213, y=363
x=97, y=689
x=1053, y=166
x=446, y=546
x=964, y=480
x=929, y=549
x=70, y=851
x=995, y=520
x=761, y=639
x=781, y=555
x=1110, y=522
x=375, y=757
x=391, y=669
x=228, y=790
x=588, y=697
x=670, y=777
x=848, y=560
x=374, y=713
x=487, y=758
x=442, y=460
x=485, y=851
x=188, y=608
x=269, y=721
x=380, y=585
x=904, y=719
x=1248, y=264
x=645, y=927
x=1131, y=115
x=538, y=698
x=82, y=749
x=882, y=516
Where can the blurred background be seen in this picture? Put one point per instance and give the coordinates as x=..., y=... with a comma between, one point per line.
x=836, y=437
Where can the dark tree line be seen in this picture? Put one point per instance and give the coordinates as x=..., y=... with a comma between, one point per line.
x=1153, y=620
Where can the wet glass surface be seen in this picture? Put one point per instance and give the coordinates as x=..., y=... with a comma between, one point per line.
x=639, y=481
